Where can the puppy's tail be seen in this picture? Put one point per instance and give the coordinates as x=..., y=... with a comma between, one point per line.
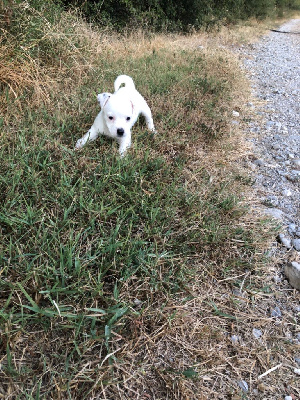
x=128, y=82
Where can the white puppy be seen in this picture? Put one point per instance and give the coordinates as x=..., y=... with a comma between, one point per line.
x=119, y=112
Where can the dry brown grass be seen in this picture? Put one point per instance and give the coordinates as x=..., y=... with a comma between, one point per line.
x=81, y=46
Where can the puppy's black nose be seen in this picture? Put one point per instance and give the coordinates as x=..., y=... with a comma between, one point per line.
x=120, y=131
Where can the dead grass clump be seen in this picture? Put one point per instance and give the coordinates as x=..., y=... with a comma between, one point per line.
x=22, y=77
x=42, y=56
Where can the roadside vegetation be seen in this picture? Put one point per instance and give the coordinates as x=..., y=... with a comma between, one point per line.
x=125, y=278
x=178, y=15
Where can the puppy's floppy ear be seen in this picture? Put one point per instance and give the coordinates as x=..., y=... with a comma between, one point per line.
x=103, y=98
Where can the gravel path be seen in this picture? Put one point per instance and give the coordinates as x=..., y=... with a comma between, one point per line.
x=274, y=68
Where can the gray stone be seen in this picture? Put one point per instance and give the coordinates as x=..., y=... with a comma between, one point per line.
x=292, y=228
x=291, y=177
x=259, y=163
x=276, y=279
x=285, y=241
x=297, y=371
x=276, y=146
x=237, y=292
x=286, y=192
x=276, y=313
x=296, y=244
x=270, y=124
x=292, y=271
x=275, y=213
x=257, y=333
x=273, y=200
x=234, y=339
x=243, y=385
x=296, y=173
x=296, y=162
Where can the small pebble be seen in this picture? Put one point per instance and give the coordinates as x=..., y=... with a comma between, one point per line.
x=243, y=385
x=273, y=200
x=292, y=271
x=276, y=313
x=259, y=163
x=235, y=339
x=287, y=192
x=291, y=178
x=296, y=244
x=296, y=162
x=270, y=124
x=237, y=292
x=285, y=241
x=276, y=279
x=257, y=333
x=275, y=213
x=292, y=228
x=288, y=398
x=276, y=146
x=297, y=371
x=235, y=113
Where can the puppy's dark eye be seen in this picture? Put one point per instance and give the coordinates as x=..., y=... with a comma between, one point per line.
x=110, y=117
x=128, y=119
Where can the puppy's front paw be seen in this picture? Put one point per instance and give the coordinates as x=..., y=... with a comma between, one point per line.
x=79, y=144
x=123, y=151
x=153, y=132
x=151, y=128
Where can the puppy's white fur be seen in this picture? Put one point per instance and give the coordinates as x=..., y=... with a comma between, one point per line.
x=119, y=112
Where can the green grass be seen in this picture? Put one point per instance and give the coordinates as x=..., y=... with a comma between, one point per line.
x=73, y=237
x=62, y=224
x=78, y=228
x=91, y=244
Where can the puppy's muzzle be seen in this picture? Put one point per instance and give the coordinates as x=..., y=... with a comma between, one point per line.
x=120, y=131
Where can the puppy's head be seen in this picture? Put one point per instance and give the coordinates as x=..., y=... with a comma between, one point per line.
x=117, y=113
